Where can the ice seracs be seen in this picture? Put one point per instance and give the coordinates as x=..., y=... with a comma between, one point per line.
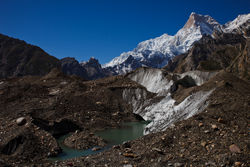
x=161, y=109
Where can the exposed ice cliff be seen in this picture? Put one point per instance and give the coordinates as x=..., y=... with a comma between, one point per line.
x=161, y=109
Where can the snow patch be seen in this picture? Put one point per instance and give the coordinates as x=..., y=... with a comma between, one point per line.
x=236, y=23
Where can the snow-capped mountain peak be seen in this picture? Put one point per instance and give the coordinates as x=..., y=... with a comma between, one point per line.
x=206, y=23
x=237, y=23
x=158, y=51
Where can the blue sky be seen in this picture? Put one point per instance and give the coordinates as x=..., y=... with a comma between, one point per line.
x=103, y=28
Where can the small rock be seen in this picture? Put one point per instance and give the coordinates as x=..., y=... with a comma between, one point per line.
x=125, y=162
x=214, y=127
x=206, y=131
x=21, y=121
x=237, y=163
x=210, y=163
x=178, y=164
x=54, y=92
x=115, y=114
x=127, y=165
x=130, y=155
x=203, y=143
x=170, y=164
x=116, y=147
x=234, y=148
x=64, y=83
x=157, y=150
x=70, y=164
x=96, y=148
x=182, y=150
x=126, y=144
x=201, y=124
x=220, y=120
x=128, y=150
x=98, y=103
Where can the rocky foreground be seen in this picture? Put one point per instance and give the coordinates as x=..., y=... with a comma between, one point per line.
x=36, y=110
x=217, y=137
x=56, y=104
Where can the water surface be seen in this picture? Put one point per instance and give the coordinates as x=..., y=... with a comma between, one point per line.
x=114, y=136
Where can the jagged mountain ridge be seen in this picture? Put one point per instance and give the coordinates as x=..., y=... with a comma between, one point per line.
x=94, y=69
x=89, y=70
x=18, y=58
x=158, y=51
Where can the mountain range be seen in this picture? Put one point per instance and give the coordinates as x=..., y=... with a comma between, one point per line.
x=155, y=53
x=158, y=51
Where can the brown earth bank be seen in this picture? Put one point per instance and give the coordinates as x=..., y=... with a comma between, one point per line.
x=218, y=136
x=36, y=110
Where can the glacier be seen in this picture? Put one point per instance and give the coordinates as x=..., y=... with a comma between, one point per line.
x=161, y=109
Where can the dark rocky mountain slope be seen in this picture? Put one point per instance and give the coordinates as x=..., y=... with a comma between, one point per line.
x=17, y=58
x=89, y=70
x=71, y=66
x=226, y=51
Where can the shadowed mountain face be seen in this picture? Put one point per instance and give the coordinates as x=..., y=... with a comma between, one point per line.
x=89, y=70
x=17, y=58
x=94, y=69
x=71, y=66
x=226, y=51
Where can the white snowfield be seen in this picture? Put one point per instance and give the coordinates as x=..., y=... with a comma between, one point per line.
x=167, y=46
x=161, y=110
